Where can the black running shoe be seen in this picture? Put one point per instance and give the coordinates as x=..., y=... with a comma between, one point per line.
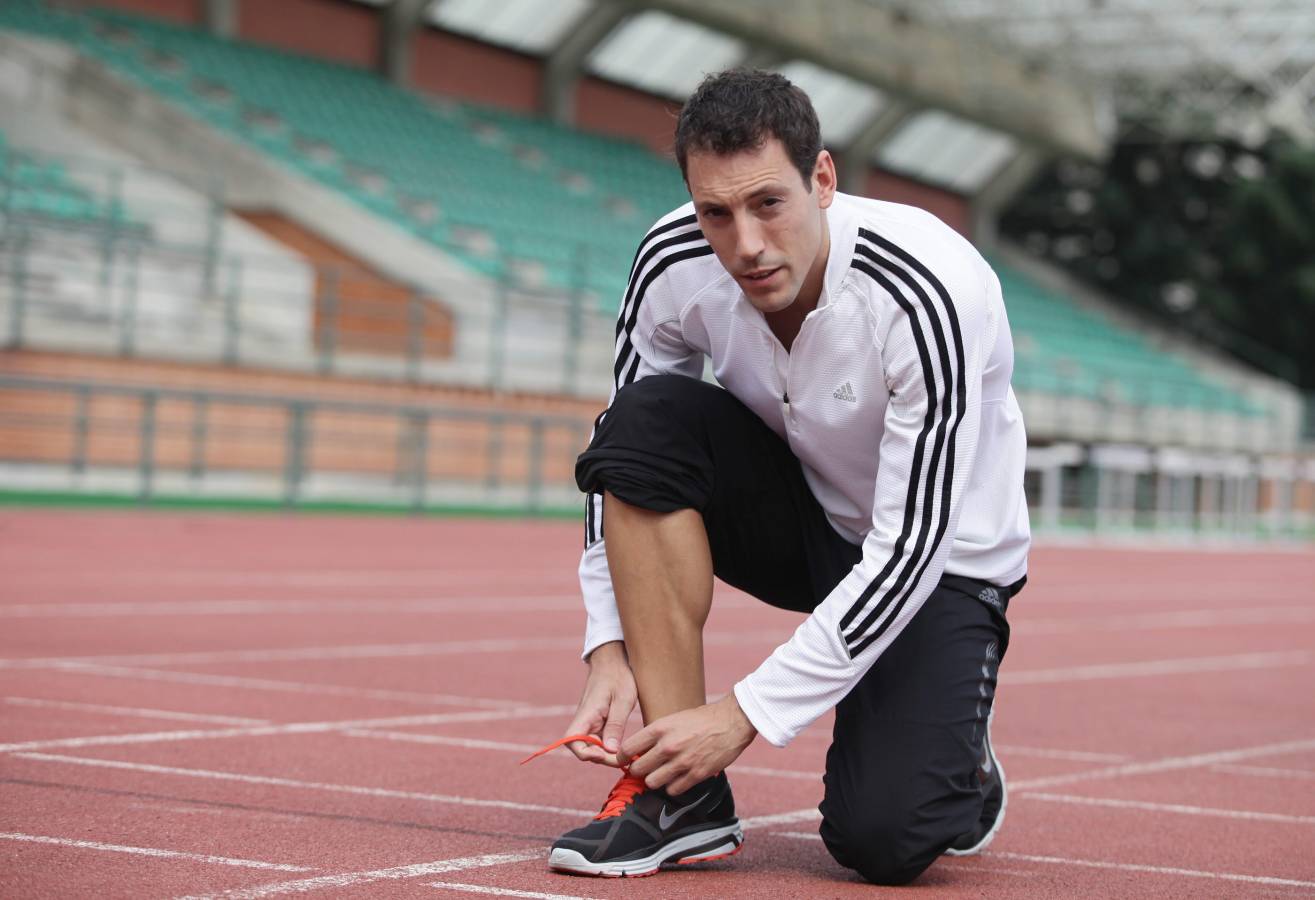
x=639, y=829
x=995, y=798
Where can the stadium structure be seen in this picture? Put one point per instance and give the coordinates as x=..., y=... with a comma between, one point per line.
x=371, y=253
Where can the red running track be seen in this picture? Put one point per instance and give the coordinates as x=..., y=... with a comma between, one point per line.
x=255, y=706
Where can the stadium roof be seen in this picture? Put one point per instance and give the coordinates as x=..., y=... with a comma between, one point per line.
x=1180, y=66
x=1176, y=65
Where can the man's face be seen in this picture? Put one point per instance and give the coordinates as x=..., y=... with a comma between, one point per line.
x=763, y=222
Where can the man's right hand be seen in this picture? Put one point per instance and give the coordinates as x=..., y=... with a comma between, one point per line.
x=608, y=699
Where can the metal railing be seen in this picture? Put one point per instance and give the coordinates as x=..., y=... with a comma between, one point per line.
x=154, y=441
x=115, y=292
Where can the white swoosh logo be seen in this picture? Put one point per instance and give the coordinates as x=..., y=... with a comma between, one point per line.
x=665, y=821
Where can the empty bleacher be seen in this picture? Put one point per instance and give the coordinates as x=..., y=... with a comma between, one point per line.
x=500, y=192
x=524, y=201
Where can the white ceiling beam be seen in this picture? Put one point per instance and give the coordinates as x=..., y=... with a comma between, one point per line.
x=923, y=65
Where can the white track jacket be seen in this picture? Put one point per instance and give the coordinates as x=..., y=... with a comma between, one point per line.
x=895, y=397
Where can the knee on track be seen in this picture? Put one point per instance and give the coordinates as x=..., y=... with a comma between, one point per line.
x=891, y=845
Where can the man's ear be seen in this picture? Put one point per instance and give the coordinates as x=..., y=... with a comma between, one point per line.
x=824, y=179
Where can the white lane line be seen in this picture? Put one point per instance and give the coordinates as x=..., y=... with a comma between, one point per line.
x=272, y=781
x=348, y=879
x=1188, y=618
x=1102, y=864
x=324, y=577
x=501, y=892
x=1153, y=668
x=129, y=608
x=131, y=711
x=1265, y=771
x=478, y=744
x=1179, y=808
x=445, y=741
x=786, y=818
x=278, y=685
x=1156, y=870
x=361, y=651
x=151, y=851
x=266, y=606
x=1166, y=764
x=294, y=728
x=1050, y=753
x=301, y=654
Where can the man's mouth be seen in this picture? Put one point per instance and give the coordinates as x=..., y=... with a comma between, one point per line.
x=758, y=276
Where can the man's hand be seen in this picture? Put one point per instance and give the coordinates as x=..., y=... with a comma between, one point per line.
x=682, y=749
x=609, y=696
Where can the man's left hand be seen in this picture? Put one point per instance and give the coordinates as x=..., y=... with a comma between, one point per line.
x=682, y=749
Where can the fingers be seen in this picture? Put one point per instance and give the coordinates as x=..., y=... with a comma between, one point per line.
x=587, y=721
x=634, y=747
x=615, y=728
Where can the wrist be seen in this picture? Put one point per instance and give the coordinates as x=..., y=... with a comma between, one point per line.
x=740, y=723
x=613, y=653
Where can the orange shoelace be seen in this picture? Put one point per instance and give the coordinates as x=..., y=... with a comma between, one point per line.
x=623, y=793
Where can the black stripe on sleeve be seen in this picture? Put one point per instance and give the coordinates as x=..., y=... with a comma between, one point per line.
x=960, y=402
x=627, y=347
x=682, y=222
x=855, y=635
x=644, y=257
x=589, y=538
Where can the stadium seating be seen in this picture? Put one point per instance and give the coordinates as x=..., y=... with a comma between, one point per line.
x=33, y=187
x=524, y=198
x=1059, y=347
x=497, y=190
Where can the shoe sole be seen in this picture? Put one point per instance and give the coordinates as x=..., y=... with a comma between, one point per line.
x=1004, y=801
x=701, y=846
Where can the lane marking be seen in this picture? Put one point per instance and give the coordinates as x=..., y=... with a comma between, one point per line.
x=266, y=606
x=401, y=736
x=445, y=740
x=322, y=577
x=1265, y=771
x=1157, y=870
x=301, y=654
x=480, y=744
x=1167, y=764
x=347, y=879
x=1191, y=618
x=132, y=711
x=786, y=818
x=1152, y=668
x=1179, y=808
x=361, y=651
x=129, y=608
x=1103, y=864
x=273, y=781
x=501, y=892
x=297, y=728
x=1049, y=753
x=294, y=687
x=151, y=851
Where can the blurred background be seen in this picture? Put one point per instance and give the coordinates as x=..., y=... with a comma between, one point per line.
x=369, y=255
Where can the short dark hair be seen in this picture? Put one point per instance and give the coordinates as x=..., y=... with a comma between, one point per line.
x=740, y=109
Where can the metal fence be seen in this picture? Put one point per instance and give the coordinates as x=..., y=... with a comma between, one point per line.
x=153, y=441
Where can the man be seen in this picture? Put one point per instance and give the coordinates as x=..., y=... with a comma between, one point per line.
x=862, y=462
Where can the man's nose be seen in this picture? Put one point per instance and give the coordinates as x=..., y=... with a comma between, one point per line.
x=748, y=240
